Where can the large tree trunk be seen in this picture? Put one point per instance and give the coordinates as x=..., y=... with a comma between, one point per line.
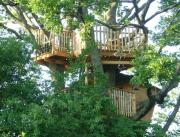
x=94, y=53
x=111, y=13
x=90, y=42
x=111, y=19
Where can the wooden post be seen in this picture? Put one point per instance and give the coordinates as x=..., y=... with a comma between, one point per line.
x=134, y=103
x=86, y=73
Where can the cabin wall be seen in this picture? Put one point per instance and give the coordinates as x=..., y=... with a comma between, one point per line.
x=121, y=81
x=110, y=72
x=116, y=79
x=141, y=97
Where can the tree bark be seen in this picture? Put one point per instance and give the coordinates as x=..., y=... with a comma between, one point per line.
x=111, y=13
x=95, y=56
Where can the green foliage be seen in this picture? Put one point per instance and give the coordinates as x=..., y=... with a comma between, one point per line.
x=52, y=12
x=18, y=85
x=79, y=111
x=82, y=110
x=169, y=30
x=150, y=65
x=69, y=114
x=84, y=113
x=165, y=3
x=162, y=114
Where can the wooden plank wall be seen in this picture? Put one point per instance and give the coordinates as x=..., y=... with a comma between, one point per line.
x=125, y=102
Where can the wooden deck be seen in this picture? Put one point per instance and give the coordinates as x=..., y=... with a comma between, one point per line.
x=113, y=45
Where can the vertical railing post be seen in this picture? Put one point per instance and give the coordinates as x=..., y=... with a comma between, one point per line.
x=134, y=103
x=53, y=43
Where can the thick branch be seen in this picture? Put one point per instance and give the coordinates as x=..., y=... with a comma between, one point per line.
x=126, y=1
x=111, y=13
x=24, y=21
x=172, y=84
x=134, y=14
x=136, y=11
x=148, y=105
x=11, y=14
x=28, y=18
x=40, y=24
x=8, y=3
x=11, y=30
x=158, y=98
x=172, y=116
x=115, y=28
x=21, y=19
x=146, y=9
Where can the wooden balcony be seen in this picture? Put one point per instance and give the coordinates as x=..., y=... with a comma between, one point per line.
x=125, y=102
x=114, y=46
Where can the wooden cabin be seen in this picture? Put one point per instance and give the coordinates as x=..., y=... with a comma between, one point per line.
x=116, y=49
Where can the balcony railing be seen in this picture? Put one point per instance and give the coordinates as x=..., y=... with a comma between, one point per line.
x=125, y=102
x=55, y=42
x=126, y=40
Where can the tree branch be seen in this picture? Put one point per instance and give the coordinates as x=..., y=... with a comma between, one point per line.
x=136, y=11
x=10, y=30
x=148, y=3
x=159, y=12
x=8, y=3
x=126, y=1
x=159, y=97
x=20, y=19
x=172, y=84
x=140, y=9
x=118, y=27
x=172, y=115
x=24, y=21
x=10, y=13
x=148, y=105
x=28, y=18
x=40, y=24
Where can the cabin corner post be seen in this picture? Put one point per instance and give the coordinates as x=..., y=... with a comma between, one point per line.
x=86, y=73
x=133, y=104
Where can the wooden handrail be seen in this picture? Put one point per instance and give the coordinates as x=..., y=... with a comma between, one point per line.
x=128, y=39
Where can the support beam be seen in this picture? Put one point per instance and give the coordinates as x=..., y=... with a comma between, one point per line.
x=54, y=61
x=116, y=62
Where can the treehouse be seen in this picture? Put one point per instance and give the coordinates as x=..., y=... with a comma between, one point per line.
x=116, y=49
